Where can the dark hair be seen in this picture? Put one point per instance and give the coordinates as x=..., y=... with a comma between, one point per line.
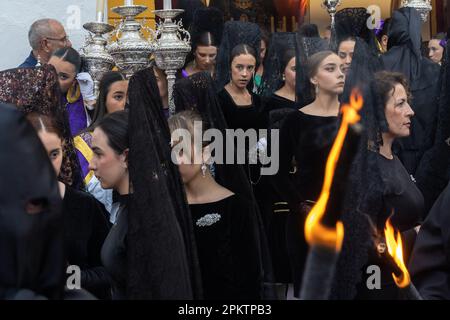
x=242, y=49
x=348, y=38
x=265, y=36
x=287, y=56
x=69, y=55
x=309, y=30
x=442, y=37
x=385, y=82
x=42, y=122
x=100, y=110
x=205, y=39
x=115, y=127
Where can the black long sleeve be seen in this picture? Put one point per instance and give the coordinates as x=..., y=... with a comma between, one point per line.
x=429, y=265
x=86, y=228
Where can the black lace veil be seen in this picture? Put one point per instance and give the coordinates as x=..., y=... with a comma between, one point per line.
x=363, y=198
x=280, y=42
x=306, y=47
x=37, y=90
x=198, y=93
x=162, y=257
x=234, y=33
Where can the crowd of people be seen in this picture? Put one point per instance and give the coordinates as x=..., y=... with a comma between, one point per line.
x=97, y=180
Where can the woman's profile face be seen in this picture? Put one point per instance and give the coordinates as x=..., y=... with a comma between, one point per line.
x=53, y=145
x=398, y=112
x=109, y=167
x=329, y=76
x=117, y=96
x=66, y=73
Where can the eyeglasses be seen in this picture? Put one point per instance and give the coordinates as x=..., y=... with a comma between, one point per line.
x=64, y=39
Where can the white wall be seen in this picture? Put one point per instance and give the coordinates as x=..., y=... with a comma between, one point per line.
x=16, y=16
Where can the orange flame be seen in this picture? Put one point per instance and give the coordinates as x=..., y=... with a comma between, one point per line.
x=395, y=249
x=315, y=232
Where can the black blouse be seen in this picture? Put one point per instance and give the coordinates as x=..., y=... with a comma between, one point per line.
x=114, y=251
x=402, y=198
x=227, y=246
x=85, y=229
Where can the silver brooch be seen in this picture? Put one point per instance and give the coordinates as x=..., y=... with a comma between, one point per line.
x=208, y=220
x=412, y=178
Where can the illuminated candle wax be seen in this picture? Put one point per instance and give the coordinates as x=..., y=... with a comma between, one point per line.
x=128, y=2
x=167, y=4
x=272, y=24
x=284, y=23
x=100, y=10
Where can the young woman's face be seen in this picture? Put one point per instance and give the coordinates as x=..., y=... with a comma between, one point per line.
x=109, y=167
x=398, y=112
x=205, y=57
x=117, y=96
x=66, y=73
x=53, y=144
x=242, y=69
x=436, y=51
x=345, y=52
x=289, y=73
x=329, y=76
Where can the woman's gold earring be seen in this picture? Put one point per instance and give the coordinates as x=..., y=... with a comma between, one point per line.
x=284, y=77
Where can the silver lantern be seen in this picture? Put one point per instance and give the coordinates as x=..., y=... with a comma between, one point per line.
x=172, y=47
x=331, y=6
x=131, y=51
x=422, y=6
x=94, y=52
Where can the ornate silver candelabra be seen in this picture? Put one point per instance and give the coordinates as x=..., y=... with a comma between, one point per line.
x=422, y=6
x=98, y=60
x=331, y=6
x=131, y=51
x=172, y=47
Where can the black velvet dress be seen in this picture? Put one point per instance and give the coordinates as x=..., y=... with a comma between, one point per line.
x=227, y=249
x=242, y=117
x=114, y=251
x=85, y=229
x=305, y=142
x=402, y=197
x=274, y=209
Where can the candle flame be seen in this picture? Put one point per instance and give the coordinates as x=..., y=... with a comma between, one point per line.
x=315, y=232
x=395, y=249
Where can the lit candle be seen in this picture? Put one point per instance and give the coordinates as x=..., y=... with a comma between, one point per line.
x=272, y=24
x=100, y=10
x=284, y=23
x=167, y=4
x=128, y=2
x=294, y=24
x=207, y=3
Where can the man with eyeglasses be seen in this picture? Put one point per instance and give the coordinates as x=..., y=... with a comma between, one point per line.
x=45, y=36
